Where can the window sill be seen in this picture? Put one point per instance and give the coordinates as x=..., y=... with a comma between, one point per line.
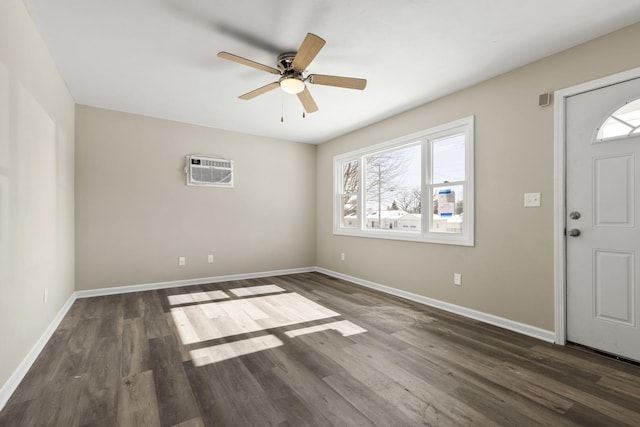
x=438, y=238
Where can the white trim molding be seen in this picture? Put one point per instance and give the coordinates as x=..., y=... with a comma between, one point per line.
x=559, y=164
x=9, y=387
x=522, y=328
x=188, y=282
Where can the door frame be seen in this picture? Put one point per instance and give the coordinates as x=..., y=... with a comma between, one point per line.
x=559, y=203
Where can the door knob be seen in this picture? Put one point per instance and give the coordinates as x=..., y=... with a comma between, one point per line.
x=574, y=232
x=574, y=215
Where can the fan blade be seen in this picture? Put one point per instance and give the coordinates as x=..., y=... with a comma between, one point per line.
x=347, y=82
x=307, y=101
x=259, y=91
x=245, y=61
x=309, y=48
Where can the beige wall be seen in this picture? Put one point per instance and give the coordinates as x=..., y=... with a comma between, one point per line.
x=509, y=272
x=135, y=216
x=36, y=188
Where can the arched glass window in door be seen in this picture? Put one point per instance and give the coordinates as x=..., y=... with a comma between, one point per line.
x=624, y=122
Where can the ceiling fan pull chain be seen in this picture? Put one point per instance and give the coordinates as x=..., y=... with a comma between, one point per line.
x=281, y=109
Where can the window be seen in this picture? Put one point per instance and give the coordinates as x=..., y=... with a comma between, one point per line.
x=418, y=187
x=624, y=122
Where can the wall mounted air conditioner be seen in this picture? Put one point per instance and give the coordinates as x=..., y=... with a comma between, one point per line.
x=209, y=171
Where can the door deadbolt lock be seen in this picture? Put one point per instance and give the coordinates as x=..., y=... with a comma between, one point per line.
x=575, y=215
x=574, y=232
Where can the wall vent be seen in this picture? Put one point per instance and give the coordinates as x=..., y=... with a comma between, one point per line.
x=209, y=171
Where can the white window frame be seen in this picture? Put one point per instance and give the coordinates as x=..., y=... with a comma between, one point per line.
x=426, y=138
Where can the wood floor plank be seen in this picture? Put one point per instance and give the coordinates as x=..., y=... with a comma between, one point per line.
x=379, y=382
x=501, y=380
x=315, y=362
x=79, y=347
x=214, y=406
x=98, y=403
x=135, y=347
x=137, y=404
x=236, y=398
x=285, y=399
x=318, y=352
x=157, y=325
x=112, y=317
x=133, y=305
x=379, y=411
x=308, y=388
x=173, y=391
x=74, y=315
x=391, y=363
x=194, y=422
x=528, y=401
x=474, y=368
x=582, y=415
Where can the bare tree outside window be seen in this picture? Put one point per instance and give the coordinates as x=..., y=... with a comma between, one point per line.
x=409, y=201
x=389, y=175
x=350, y=187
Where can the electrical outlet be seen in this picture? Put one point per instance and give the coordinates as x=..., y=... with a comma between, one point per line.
x=182, y=260
x=342, y=257
x=457, y=279
x=210, y=259
x=531, y=200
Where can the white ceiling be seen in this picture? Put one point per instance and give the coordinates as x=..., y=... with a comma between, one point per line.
x=158, y=57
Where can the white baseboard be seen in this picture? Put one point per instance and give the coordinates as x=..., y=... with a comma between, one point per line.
x=522, y=328
x=14, y=380
x=18, y=375
x=188, y=282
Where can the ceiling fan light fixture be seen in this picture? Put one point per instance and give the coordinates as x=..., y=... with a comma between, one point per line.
x=292, y=85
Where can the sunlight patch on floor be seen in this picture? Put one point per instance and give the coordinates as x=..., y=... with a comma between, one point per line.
x=218, y=353
x=209, y=321
x=344, y=327
x=256, y=290
x=199, y=319
x=196, y=297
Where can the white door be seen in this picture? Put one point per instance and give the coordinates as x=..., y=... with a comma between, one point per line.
x=602, y=196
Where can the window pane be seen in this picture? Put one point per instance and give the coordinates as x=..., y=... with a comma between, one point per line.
x=349, y=211
x=624, y=122
x=393, y=189
x=350, y=177
x=448, y=209
x=448, y=159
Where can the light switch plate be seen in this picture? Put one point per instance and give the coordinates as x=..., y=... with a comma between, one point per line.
x=531, y=200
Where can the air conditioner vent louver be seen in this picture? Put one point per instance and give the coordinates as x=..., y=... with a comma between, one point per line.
x=209, y=171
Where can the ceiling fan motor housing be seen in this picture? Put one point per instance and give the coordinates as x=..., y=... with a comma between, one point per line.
x=285, y=61
x=292, y=80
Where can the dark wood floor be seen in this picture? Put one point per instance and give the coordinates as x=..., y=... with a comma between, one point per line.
x=192, y=357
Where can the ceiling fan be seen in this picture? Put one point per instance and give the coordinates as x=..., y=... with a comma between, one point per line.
x=291, y=68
